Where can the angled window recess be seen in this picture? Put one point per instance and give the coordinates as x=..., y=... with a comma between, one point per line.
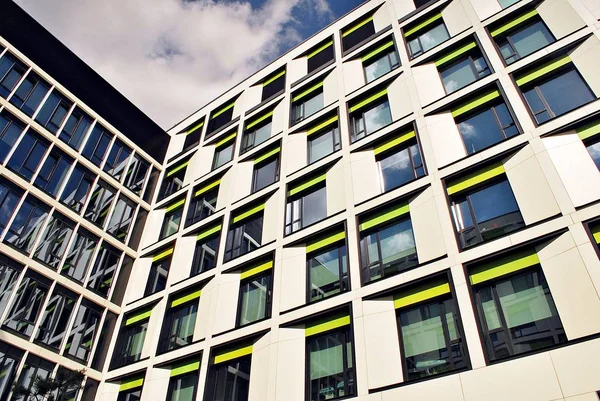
x=258, y=129
x=484, y=120
x=321, y=55
x=273, y=85
x=400, y=160
x=220, y=117
x=306, y=203
x=224, y=149
x=323, y=138
x=515, y=310
x=380, y=59
x=11, y=72
x=590, y=135
x=521, y=36
x=180, y=320
x=184, y=380
x=159, y=270
x=172, y=220
x=327, y=266
x=544, y=87
x=192, y=134
x=307, y=101
x=430, y=330
x=245, y=231
x=595, y=232
x=173, y=179
x=369, y=113
x=483, y=205
x=358, y=32
x=425, y=34
x=204, y=202
x=266, y=168
x=207, y=247
x=130, y=341
x=255, y=293
x=229, y=373
x=462, y=66
x=130, y=388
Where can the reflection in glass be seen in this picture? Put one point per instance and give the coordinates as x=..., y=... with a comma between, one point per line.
x=255, y=295
x=487, y=128
x=328, y=273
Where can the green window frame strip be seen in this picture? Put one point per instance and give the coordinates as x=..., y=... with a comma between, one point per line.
x=191, y=296
x=260, y=120
x=229, y=355
x=249, y=212
x=385, y=215
x=267, y=155
x=421, y=293
x=455, y=54
x=324, y=325
x=517, y=21
x=138, y=317
x=474, y=103
x=589, y=130
x=174, y=206
x=130, y=384
x=319, y=49
x=392, y=143
x=503, y=266
x=307, y=184
x=256, y=269
x=596, y=233
x=195, y=127
x=322, y=125
x=368, y=100
x=308, y=91
x=223, y=110
x=322, y=242
x=475, y=178
x=422, y=25
x=162, y=255
x=185, y=367
x=543, y=70
x=207, y=187
x=225, y=140
x=209, y=232
x=274, y=78
x=353, y=28
x=375, y=52
x=178, y=168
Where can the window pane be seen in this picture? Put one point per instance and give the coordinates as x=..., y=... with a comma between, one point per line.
x=323, y=145
x=381, y=66
x=494, y=201
x=9, y=198
x=377, y=117
x=30, y=94
x=9, y=274
x=83, y=333
x=266, y=174
x=314, y=207
x=480, y=131
x=97, y=145
x=53, y=112
x=223, y=156
x=27, y=304
x=531, y=38
x=313, y=104
x=594, y=150
x=100, y=203
x=78, y=188
x=117, y=160
x=11, y=72
x=121, y=218
x=104, y=269
x=254, y=295
x=9, y=362
x=229, y=381
x=396, y=169
x=183, y=388
x=28, y=155
x=171, y=223
x=434, y=37
x=79, y=256
x=397, y=244
x=328, y=273
x=27, y=224
x=205, y=256
x=56, y=317
x=34, y=367
x=75, y=128
x=53, y=173
x=136, y=174
x=53, y=244
x=10, y=129
x=157, y=279
x=458, y=75
x=571, y=83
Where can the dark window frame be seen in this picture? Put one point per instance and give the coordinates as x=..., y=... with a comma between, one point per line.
x=298, y=108
x=16, y=65
x=237, y=232
x=344, y=283
x=198, y=260
x=81, y=124
x=93, y=311
x=470, y=56
x=122, y=220
x=356, y=133
x=167, y=341
x=506, y=39
x=60, y=224
x=66, y=304
x=249, y=137
x=264, y=163
x=158, y=269
x=59, y=160
x=79, y=253
x=268, y=298
x=387, y=54
x=86, y=177
x=95, y=209
x=103, y=270
x=193, y=214
x=300, y=197
x=19, y=233
x=23, y=304
x=335, y=139
x=221, y=148
x=408, y=146
x=61, y=101
x=418, y=35
x=36, y=81
x=23, y=169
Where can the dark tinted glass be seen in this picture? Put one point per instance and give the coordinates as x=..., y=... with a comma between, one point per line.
x=78, y=188
x=10, y=129
x=28, y=155
x=358, y=36
x=75, y=128
x=229, y=381
x=97, y=145
x=30, y=94
x=321, y=58
x=54, y=111
x=266, y=174
x=11, y=72
x=53, y=172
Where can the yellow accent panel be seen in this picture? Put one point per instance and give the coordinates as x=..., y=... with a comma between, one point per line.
x=186, y=298
x=274, y=78
x=249, y=213
x=207, y=188
x=422, y=25
x=385, y=216
x=322, y=327
x=259, y=120
x=223, y=110
x=195, y=128
x=229, y=355
x=513, y=23
x=543, y=70
x=475, y=178
x=183, y=369
x=588, y=131
x=208, y=232
x=375, y=52
x=481, y=100
x=307, y=92
x=307, y=184
x=394, y=142
x=225, y=140
x=323, y=242
x=420, y=294
x=368, y=100
x=455, y=54
x=267, y=155
x=320, y=49
x=162, y=255
x=175, y=205
x=357, y=26
x=504, y=266
x=252, y=271
x=138, y=318
x=178, y=168
x=324, y=124
x=131, y=384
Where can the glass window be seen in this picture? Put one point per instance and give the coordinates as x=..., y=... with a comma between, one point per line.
x=323, y=144
x=83, y=332
x=381, y=65
x=76, y=127
x=100, y=203
x=307, y=106
x=104, y=270
x=229, y=381
x=27, y=304
x=427, y=39
x=70, y=382
x=517, y=314
x=306, y=209
x=401, y=166
x=223, y=155
x=9, y=273
x=54, y=111
x=183, y=387
x=11, y=72
x=53, y=245
x=53, y=328
x=546, y=99
x=30, y=94
x=483, y=214
x=171, y=221
x=136, y=174
x=53, y=172
x=330, y=365
x=220, y=118
x=486, y=127
x=244, y=237
x=33, y=369
x=78, y=188
x=370, y=119
x=130, y=342
x=594, y=151
x=202, y=206
x=10, y=359
x=256, y=135
x=28, y=155
x=352, y=36
x=173, y=181
x=327, y=272
x=157, y=278
x=10, y=195
x=265, y=174
x=117, y=160
x=524, y=40
x=255, y=299
x=205, y=255
x=274, y=87
x=97, y=144
x=321, y=55
x=122, y=216
x=192, y=135
x=79, y=256
x=178, y=326
x=464, y=71
x=27, y=224
x=10, y=130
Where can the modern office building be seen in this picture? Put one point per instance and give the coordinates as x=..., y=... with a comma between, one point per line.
x=404, y=206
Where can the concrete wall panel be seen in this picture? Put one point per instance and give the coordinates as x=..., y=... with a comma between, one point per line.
x=336, y=194
x=445, y=139
x=260, y=369
x=486, y=8
x=455, y=18
x=290, y=365
x=354, y=75
x=365, y=175
x=585, y=57
x=296, y=157
x=293, y=278
x=227, y=301
x=243, y=180
x=225, y=189
x=428, y=83
x=381, y=18
x=560, y=17
x=296, y=69
x=272, y=223
x=426, y=225
x=399, y=98
x=330, y=88
x=280, y=118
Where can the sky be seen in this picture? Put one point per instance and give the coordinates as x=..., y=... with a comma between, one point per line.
x=171, y=57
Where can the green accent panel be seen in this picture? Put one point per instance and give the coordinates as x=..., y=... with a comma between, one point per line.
x=178, y=168
x=543, y=70
x=323, y=326
x=596, y=233
x=422, y=25
x=324, y=124
x=162, y=255
x=385, y=215
x=307, y=92
x=188, y=367
x=455, y=54
x=186, y=298
x=513, y=23
x=420, y=294
x=229, y=355
x=368, y=100
x=394, y=142
x=225, y=140
x=249, y=213
x=357, y=26
x=267, y=155
x=307, y=184
x=208, y=232
x=326, y=241
x=252, y=271
x=588, y=131
x=319, y=49
x=377, y=51
x=195, y=128
x=223, y=110
x=131, y=384
x=274, y=78
x=175, y=206
x=259, y=120
x=483, y=99
x=504, y=266
x=137, y=318
x=206, y=188
x=475, y=178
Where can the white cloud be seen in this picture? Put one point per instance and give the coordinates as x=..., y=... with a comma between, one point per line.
x=170, y=57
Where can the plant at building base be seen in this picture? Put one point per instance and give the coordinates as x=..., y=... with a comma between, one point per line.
x=51, y=389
